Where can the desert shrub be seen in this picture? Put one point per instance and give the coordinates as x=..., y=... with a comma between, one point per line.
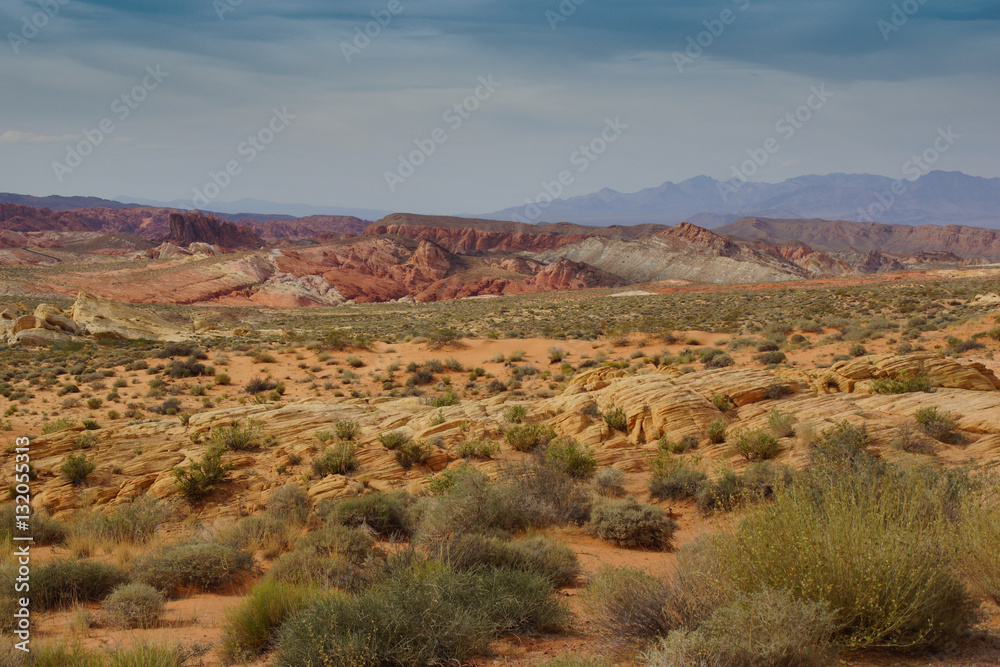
x=939, y=425
x=776, y=390
x=617, y=420
x=259, y=385
x=419, y=616
x=60, y=424
x=134, y=606
x=540, y=555
x=630, y=524
x=875, y=544
x=575, y=661
x=63, y=583
x=474, y=504
x=201, y=566
x=44, y=529
x=347, y=429
x=515, y=414
x=902, y=385
x=529, y=437
x=306, y=567
x=76, y=468
x=180, y=350
x=252, y=626
x=672, y=477
x=857, y=350
x=337, y=460
x=388, y=514
x=761, y=479
x=186, y=369
x=223, y=379
x=722, y=494
x=720, y=361
x=394, y=440
x=550, y=495
x=766, y=627
x=756, y=445
x=349, y=543
x=610, y=482
x=447, y=399
x=723, y=403
x=201, y=476
x=571, y=457
x=262, y=532
x=840, y=444
x=780, y=423
x=238, y=437
x=289, y=503
x=629, y=604
x=769, y=358
x=717, y=431
x=412, y=452
x=979, y=533
x=477, y=449
x=130, y=523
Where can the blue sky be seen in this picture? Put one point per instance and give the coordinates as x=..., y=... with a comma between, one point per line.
x=896, y=73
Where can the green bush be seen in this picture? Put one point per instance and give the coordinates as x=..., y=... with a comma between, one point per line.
x=200, y=566
x=420, y=616
x=474, y=504
x=388, y=514
x=130, y=523
x=756, y=445
x=86, y=440
x=63, y=583
x=263, y=532
x=902, y=385
x=515, y=414
x=617, y=420
x=877, y=545
x=857, y=350
x=780, y=423
x=529, y=437
x=253, y=626
x=717, y=431
x=411, y=453
x=337, y=460
x=631, y=524
x=540, y=555
x=571, y=457
x=477, y=449
x=766, y=627
x=671, y=477
x=60, y=424
x=237, y=437
x=841, y=444
x=723, y=494
x=347, y=429
x=202, y=476
x=289, y=503
x=134, y=606
x=939, y=425
x=393, y=441
x=308, y=567
x=351, y=544
x=77, y=468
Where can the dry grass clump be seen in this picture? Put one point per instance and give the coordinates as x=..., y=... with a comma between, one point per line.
x=630, y=524
x=200, y=566
x=252, y=626
x=134, y=606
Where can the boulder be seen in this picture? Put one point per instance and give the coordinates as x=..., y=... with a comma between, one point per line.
x=104, y=318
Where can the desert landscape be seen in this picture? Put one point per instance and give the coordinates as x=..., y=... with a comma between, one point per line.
x=548, y=464
x=571, y=333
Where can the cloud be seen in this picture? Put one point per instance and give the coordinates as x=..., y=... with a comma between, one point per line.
x=17, y=137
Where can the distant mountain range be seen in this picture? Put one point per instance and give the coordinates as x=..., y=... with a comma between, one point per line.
x=939, y=198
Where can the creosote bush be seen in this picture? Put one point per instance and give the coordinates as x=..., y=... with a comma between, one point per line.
x=200, y=566
x=571, y=457
x=617, y=420
x=252, y=626
x=337, y=460
x=939, y=425
x=756, y=445
x=388, y=514
x=528, y=437
x=76, y=468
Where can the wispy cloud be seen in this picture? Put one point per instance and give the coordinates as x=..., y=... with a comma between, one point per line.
x=18, y=137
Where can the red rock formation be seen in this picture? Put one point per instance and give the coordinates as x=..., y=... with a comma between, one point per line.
x=17, y=218
x=472, y=241
x=188, y=228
